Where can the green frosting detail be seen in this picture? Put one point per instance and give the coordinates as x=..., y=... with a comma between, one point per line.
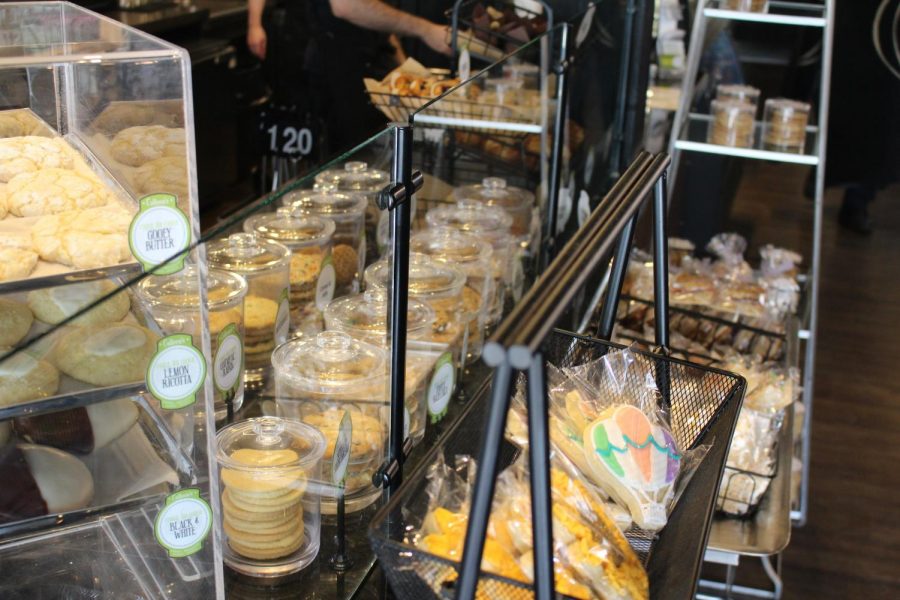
x=605, y=450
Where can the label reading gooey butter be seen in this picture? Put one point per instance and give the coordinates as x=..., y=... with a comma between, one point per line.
x=159, y=233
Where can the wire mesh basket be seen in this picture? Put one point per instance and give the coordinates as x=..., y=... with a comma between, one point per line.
x=492, y=28
x=704, y=404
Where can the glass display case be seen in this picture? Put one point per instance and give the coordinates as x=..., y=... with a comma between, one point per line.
x=106, y=405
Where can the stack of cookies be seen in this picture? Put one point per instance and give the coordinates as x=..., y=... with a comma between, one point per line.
x=261, y=504
x=259, y=331
x=305, y=269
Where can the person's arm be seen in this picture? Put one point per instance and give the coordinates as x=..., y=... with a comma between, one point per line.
x=378, y=16
x=256, y=34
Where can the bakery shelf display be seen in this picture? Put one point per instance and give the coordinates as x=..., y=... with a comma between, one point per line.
x=106, y=398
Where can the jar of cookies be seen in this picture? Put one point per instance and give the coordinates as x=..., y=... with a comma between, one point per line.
x=785, y=125
x=348, y=211
x=732, y=124
x=321, y=379
x=173, y=303
x=266, y=267
x=745, y=5
x=356, y=177
x=309, y=238
x=746, y=94
x=270, y=478
x=473, y=257
x=492, y=225
x=517, y=202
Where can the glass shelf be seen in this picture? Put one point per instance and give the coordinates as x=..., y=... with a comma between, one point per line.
x=693, y=137
x=778, y=13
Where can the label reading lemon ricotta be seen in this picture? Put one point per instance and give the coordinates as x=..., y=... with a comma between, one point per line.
x=176, y=372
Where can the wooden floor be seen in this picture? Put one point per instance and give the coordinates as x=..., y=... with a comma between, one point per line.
x=850, y=547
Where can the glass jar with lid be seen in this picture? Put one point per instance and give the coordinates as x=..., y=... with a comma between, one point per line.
x=173, y=303
x=266, y=267
x=357, y=177
x=492, y=225
x=348, y=211
x=365, y=318
x=270, y=478
x=322, y=379
x=785, y=125
x=472, y=256
x=312, y=274
x=517, y=202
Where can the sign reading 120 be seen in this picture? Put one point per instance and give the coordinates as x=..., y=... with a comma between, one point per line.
x=290, y=141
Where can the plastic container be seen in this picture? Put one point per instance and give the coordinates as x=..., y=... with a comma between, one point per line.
x=517, y=202
x=320, y=379
x=492, y=225
x=173, y=302
x=473, y=257
x=746, y=5
x=746, y=94
x=270, y=478
x=267, y=319
x=309, y=238
x=732, y=124
x=357, y=177
x=348, y=211
x=785, y=125
x=364, y=317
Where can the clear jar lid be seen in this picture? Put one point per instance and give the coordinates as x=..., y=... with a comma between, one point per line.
x=427, y=277
x=450, y=246
x=479, y=219
x=493, y=191
x=246, y=253
x=291, y=227
x=182, y=289
x=268, y=446
x=328, y=363
x=325, y=201
x=356, y=176
x=786, y=106
x=367, y=315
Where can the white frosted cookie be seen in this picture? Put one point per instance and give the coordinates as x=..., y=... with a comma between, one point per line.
x=24, y=378
x=16, y=263
x=138, y=145
x=16, y=239
x=54, y=305
x=96, y=237
x=52, y=190
x=15, y=321
x=109, y=354
x=27, y=154
x=63, y=480
x=165, y=174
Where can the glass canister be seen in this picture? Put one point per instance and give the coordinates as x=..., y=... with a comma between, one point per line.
x=473, y=257
x=173, y=302
x=441, y=287
x=357, y=177
x=492, y=225
x=309, y=238
x=267, y=318
x=365, y=317
x=348, y=211
x=746, y=5
x=270, y=477
x=321, y=379
x=517, y=202
x=732, y=124
x=746, y=94
x=785, y=125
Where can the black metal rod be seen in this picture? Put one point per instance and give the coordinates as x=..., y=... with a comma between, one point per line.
x=539, y=464
x=559, y=136
x=400, y=215
x=454, y=24
x=661, y=263
x=618, y=130
x=616, y=280
x=485, y=480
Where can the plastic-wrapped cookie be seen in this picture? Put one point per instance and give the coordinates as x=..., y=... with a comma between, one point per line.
x=41, y=481
x=29, y=154
x=96, y=237
x=138, y=145
x=55, y=305
x=15, y=321
x=24, y=378
x=53, y=190
x=104, y=355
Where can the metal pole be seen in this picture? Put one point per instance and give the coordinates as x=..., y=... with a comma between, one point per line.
x=661, y=263
x=539, y=463
x=616, y=280
x=616, y=162
x=559, y=136
x=401, y=173
x=485, y=480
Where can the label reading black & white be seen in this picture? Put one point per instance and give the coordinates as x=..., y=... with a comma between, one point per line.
x=183, y=523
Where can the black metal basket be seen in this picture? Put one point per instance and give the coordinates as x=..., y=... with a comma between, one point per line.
x=704, y=405
x=485, y=42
